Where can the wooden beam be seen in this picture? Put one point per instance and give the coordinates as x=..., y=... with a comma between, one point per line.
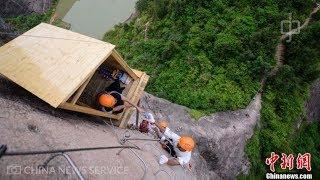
x=81, y=89
x=83, y=104
x=87, y=110
x=132, y=89
x=137, y=72
x=120, y=60
x=134, y=98
x=140, y=88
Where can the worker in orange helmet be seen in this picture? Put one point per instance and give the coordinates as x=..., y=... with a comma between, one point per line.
x=180, y=147
x=161, y=126
x=112, y=100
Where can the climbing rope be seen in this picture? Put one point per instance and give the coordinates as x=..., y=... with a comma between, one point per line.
x=26, y=153
x=58, y=152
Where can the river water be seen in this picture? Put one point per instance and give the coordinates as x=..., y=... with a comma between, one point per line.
x=94, y=17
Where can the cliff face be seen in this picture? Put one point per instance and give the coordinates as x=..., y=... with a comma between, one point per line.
x=27, y=123
x=17, y=7
x=221, y=137
x=313, y=104
x=6, y=32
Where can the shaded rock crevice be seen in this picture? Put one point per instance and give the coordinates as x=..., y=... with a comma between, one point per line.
x=313, y=104
x=18, y=7
x=11, y=8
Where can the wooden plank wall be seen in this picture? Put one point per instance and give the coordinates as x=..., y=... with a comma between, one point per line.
x=134, y=97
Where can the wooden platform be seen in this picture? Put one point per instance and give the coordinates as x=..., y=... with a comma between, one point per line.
x=57, y=65
x=51, y=62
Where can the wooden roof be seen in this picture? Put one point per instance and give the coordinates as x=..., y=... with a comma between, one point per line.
x=52, y=62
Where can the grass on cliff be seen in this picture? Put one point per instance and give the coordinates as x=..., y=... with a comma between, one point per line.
x=206, y=55
x=283, y=106
x=211, y=55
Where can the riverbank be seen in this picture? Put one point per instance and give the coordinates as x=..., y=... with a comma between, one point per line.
x=104, y=15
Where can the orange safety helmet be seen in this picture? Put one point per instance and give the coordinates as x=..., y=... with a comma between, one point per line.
x=163, y=124
x=187, y=143
x=107, y=100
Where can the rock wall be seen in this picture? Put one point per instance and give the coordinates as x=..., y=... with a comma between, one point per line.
x=221, y=137
x=6, y=32
x=27, y=123
x=17, y=7
x=313, y=104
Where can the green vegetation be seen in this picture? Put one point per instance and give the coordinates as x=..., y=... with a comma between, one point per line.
x=207, y=55
x=196, y=114
x=211, y=56
x=283, y=105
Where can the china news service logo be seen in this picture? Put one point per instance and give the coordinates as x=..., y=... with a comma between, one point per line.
x=287, y=27
x=287, y=161
x=16, y=169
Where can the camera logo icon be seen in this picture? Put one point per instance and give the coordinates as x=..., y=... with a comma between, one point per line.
x=14, y=169
x=288, y=25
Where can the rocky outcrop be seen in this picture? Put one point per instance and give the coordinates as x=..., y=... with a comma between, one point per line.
x=221, y=137
x=18, y=7
x=27, y=123
x=39, y=6
x=313, y=104
x=6, y=32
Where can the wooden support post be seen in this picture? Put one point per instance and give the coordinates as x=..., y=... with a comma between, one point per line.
x=120, y=60
x=87, y=110
x=134, y=97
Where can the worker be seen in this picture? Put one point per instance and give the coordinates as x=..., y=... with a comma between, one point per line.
x=180, y=147
x=148, y=123
x=112, y=100
x=161, y=125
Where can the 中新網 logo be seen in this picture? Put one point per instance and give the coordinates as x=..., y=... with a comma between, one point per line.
x=287, y=161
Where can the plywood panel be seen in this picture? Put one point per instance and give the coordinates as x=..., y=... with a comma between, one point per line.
x=81, y=89
x=52, y=62
x=120, y=60
x=87, y=110
x=134, y=97
x=137, y=72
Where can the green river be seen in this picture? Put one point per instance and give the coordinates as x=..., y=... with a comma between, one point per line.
x=94, y=17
